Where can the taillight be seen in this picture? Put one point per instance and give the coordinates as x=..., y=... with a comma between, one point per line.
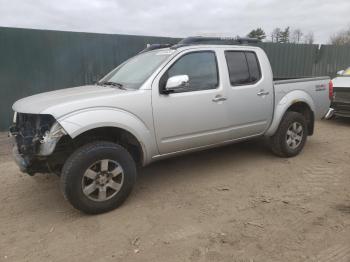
x=330, y=89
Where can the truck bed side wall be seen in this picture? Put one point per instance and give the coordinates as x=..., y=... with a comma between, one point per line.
x=312, y=91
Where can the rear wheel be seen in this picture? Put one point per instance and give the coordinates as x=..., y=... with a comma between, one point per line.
x=291, y=135
x=98, y=177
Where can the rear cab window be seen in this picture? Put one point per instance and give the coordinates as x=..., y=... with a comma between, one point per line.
x=243, y=67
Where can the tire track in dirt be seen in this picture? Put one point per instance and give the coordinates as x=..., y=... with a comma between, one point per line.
x=315, y=180
x=337, y=253
x=182, y=233
x=318, y=178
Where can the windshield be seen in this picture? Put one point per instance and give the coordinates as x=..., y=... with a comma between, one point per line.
x=135, y=71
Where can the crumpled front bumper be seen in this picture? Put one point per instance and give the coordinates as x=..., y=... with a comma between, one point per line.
x=31, y=155
x=21, y=162
x=29, y=164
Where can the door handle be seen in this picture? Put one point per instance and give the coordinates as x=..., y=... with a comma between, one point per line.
x=262, y=92
x=219, y=98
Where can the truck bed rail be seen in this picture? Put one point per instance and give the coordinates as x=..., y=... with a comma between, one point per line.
x=297, y=80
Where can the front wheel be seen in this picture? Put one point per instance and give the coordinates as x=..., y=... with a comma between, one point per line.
x=291, y=135
x=98, y=177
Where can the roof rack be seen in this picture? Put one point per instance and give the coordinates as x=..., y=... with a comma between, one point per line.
x=200, y=40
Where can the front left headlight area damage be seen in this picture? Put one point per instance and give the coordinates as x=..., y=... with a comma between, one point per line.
x=35, y=138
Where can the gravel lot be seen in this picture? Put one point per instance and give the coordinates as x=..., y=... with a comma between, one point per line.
x=236, y=203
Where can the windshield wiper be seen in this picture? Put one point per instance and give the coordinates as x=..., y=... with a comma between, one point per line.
x=109, y=83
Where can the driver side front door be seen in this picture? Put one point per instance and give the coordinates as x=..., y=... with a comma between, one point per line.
x=196, y=116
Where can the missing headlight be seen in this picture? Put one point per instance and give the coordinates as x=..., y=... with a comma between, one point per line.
x=50, y=139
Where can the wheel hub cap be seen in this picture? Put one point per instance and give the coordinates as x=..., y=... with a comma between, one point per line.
x=102, y=180
x=294, y=135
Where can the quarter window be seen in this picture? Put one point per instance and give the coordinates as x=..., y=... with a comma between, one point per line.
x=201, y=68
x=243, y=67
x=253, y=65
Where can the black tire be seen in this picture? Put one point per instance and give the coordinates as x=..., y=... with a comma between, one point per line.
x=81, y=160
x=278, y=141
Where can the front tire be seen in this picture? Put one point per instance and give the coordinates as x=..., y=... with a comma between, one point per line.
x=98, y=177
x=291, y=135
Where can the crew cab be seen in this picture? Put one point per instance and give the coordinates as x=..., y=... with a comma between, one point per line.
x=165, y=101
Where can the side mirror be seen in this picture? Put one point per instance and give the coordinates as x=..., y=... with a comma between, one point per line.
x=176, y=83
x=340, y=73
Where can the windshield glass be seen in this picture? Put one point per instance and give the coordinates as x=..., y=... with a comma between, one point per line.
x=135, y=71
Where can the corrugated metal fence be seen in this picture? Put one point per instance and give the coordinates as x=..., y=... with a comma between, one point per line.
x=301, y=60
x=331, y=59
x=291, y=60
x=34, y=61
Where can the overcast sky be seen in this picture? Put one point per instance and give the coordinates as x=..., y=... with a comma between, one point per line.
x=178, y=18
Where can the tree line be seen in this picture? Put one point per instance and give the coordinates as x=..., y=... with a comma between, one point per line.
x=297, y=36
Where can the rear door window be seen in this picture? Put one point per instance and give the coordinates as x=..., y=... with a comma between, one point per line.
x=243, y=67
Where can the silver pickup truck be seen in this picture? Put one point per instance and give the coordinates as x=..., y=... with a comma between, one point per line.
x=163, y=102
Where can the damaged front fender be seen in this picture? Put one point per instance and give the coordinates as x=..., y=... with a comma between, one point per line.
x=50, y=139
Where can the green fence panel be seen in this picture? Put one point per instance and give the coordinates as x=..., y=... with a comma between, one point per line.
x=290, y=60
x=302, y=60
x=34, y=61
x=331, y=59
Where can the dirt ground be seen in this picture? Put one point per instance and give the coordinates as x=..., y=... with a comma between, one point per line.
x=236, y=203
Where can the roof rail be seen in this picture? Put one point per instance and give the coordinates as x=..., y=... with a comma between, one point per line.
x=200, y=40
x=151, y=47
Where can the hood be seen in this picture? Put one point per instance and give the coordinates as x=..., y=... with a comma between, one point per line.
x=42, y=103
x=341, y=81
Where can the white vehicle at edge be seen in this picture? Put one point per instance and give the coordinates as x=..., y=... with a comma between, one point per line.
x=341, y=96
x=161, y=103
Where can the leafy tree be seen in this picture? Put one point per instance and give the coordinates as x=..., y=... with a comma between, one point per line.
x=341, y=38
x=284, y=35
x=292, y=36
x=257, y=33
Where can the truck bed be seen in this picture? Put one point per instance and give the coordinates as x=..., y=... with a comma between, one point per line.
x=315, y=87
